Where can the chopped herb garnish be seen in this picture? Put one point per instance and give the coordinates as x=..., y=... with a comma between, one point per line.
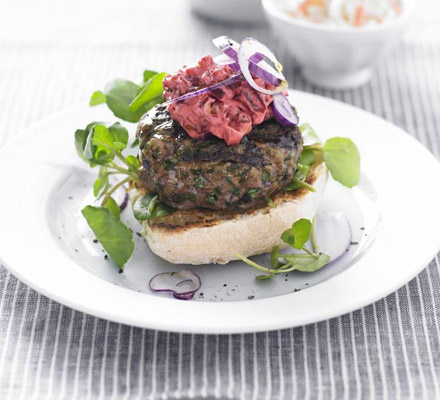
x=211, y=198
x=229, y=180
x=197, y=171
x=232, y=167
x=235, y=191
x=199, y=182
x=265, y=176
x=170, y=163
x=191, y=197
x=253, y=192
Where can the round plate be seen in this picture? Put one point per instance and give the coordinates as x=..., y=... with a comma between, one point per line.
x=45, y=242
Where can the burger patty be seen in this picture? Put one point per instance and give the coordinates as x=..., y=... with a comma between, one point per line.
x=190, y=173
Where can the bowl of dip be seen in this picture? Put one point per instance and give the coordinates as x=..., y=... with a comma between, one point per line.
x=232, y=11
x=337, y=43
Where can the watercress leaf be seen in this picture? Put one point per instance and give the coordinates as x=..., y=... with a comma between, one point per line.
x=301, y=171
x=98, y=148
x=307, y=157
x=80, y=143
x=148, y=206
x=135, y=143
x=101, y=184
x=151, y=89
x=161, y=210
x=143, y=206
x=134, y=161
x=270, y=202
x=342, y=159
x=119, y=145
x=97, y=98
x=264, y=277
x=148, y=74
x=120, y=93
x=83, y=144
x=309, y=135
x=311, y=264
x=113, y=235
x=301, y=232
x=113, y=207
x=110, y=135
x=274, y=258
x=300, y=176
x=90, y=149
x=288, y=237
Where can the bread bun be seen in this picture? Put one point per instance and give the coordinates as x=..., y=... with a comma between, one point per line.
x=205, y=237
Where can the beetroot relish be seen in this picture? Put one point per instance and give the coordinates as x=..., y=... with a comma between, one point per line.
x=228, y=113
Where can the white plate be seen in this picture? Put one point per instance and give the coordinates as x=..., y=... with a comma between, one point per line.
x=45, y=242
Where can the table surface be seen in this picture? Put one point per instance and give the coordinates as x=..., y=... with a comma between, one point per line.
x=53, y=54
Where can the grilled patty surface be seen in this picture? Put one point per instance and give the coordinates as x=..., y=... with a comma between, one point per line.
x=189, y=173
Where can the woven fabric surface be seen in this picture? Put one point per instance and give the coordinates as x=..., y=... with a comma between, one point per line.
x=53, y=54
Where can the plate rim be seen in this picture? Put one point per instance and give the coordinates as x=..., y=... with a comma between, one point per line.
x=181, y=326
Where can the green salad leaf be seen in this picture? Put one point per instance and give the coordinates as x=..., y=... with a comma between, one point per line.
x=310, y=137
x=97, y=98
x=310, y=265
x=114, y=236
x=128, y=100
x=99, y=143
x=119, y=94
x=81, y=139
x=151, y=89
x=296, y=237
x=148, y=207
x=307, y=157
x=113, y=207
x=342, y=159
x=299, y=179
x=148, y=74
x=102, y=182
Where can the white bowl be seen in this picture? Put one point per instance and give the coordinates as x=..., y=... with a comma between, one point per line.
x=335, y=57
x=229, y=10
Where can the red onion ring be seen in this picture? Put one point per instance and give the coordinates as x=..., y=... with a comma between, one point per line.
x=124, y=202
x=229, y=81
x=283, y=110
x=183, y=284
x=248, y=48
x=333, y=235
x=264, y=71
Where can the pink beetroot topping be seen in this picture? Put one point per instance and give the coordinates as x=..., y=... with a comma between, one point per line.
x=228, y=113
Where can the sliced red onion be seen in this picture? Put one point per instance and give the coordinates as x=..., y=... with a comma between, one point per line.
x=227, y=46
x=264, y=71
x=183, y=284
x=248, y=48
x=333, y=234
x=120, y=196
x=223, y=59
x=124, y=202
x=283, y=111
x=226, y=82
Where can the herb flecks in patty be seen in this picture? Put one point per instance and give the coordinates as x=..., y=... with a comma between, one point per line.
x=216, y=175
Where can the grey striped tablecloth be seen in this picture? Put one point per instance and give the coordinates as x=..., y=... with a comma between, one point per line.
x=54, y=54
